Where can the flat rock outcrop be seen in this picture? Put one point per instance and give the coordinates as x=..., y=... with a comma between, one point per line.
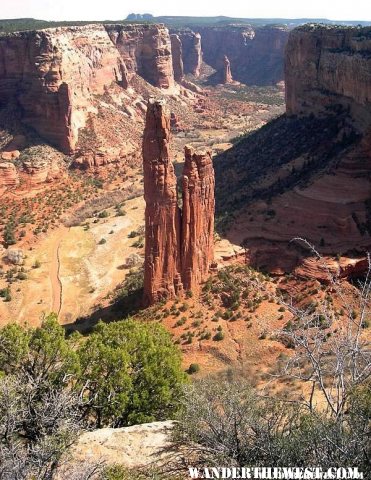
x=132, y=447
x=178, y=242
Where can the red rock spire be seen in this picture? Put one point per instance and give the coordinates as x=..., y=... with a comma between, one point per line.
x=227, y=74
x=179, y=244
x=162, y=214
x=197, y=250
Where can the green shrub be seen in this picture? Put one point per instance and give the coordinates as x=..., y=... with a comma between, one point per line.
x=193, y=368
x=181, y=321
x=103, y=214
x=219, y=336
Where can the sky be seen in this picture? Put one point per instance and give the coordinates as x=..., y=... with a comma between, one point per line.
x=119, y=9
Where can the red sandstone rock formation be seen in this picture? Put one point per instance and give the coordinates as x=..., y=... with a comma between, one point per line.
x=145, y=50
x=197, y=248
x=176, y=49
x=192, y=52
x=104, y=156
x=179, y=245
x=175, y=124
x=256, y=54
x=162, y=215
x=10, y=155
x=227, y=74
x=54, y=73
x=8, y=175
x=328, y=72
x=37, y=172
x=326, y=59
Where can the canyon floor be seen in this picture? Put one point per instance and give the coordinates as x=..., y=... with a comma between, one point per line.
x=82, y=237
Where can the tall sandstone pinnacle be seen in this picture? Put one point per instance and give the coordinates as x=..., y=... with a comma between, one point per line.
x=162, y=214
x=197, y=249
x=179, y=242
x=227, y=74
x=177, y=54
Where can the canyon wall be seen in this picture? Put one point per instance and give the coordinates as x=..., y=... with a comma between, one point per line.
x=53, y=74
x=145, y=50
x=177, y=54
x=192, y=51
x=307, y=174
x=328, y=66
x=179, y=243
x=255, y=54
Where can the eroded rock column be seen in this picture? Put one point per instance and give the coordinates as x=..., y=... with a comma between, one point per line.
x=227, y=74
x=197, y=250
x=176, y=48
x=179, y=243
x=162, y=214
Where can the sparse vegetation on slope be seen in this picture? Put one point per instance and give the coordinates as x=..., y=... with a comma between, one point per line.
x=261, y=164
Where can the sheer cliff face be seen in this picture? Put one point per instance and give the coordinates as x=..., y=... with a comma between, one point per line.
x=179, y=243
x=255, y=55
x=146, y=50
x=192, y=52
x=327, y=66
x=318, y=156
x=177, y=54
x=53, y=74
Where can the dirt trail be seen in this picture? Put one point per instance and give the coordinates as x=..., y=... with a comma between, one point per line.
x=55, y=264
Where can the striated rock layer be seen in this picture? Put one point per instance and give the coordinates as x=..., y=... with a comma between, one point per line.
x=9, y=177
x=256, y=55
x=197, y=247
x=327, y=66
x=179, y=243
x=162, y=264
x=307, y=174
x=53, y=74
